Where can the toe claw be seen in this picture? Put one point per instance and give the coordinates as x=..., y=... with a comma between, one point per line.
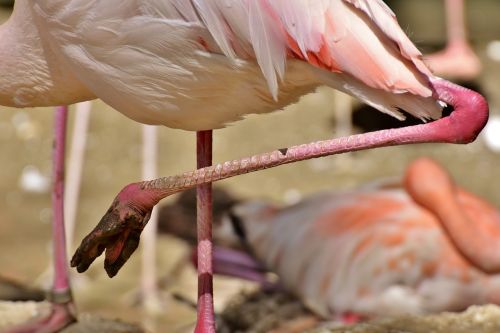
x=113, y=264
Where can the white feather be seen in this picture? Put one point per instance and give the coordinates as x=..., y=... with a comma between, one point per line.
x=386, y=21
x=268, y=44
x=172, y=9
x=168, y=57
x=236, y=15
x=302, y=23
x=216, y=24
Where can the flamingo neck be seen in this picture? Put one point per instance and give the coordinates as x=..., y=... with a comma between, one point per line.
x=31, y=73
x=431, y=187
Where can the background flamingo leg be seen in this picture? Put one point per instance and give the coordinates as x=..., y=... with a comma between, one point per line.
x=458, y=60
x=149, y=287
x=75, y=168
x=63, y=309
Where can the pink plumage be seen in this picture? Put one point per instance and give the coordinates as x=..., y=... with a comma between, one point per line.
x=153, y=60
x=201, y=64
x=375, y=251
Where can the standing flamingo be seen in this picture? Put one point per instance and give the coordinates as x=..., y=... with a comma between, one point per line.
x=388, y=249
x=197, y=65
x=458, y=59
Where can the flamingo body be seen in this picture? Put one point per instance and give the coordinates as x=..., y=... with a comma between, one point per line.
x=190, y=65
x=373, y=251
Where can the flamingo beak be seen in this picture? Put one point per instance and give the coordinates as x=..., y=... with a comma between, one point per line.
x=470, y=113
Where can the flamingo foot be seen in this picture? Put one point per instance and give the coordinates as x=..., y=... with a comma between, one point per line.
x=456, y=61
x=61, y=316
x=350, y=318
x=118, y=233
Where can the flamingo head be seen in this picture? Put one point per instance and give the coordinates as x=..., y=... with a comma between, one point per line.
x=469, y=117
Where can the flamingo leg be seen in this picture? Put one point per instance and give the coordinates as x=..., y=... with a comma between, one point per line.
x=63, y=309
x=205, y=322
x=149, y=288
x=455, y=20
x=458, y=59
x=75, y=168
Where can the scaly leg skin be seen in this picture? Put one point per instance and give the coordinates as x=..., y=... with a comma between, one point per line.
x=118, y=231
x=63, y=310
x=206, y=317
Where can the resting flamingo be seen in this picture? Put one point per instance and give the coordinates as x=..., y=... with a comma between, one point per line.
x=458, y=60
x=198, y=65
x=389, y=248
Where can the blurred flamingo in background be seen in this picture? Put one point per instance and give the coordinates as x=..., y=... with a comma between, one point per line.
x=199, y=65
x=458, y=60
x=384, y=249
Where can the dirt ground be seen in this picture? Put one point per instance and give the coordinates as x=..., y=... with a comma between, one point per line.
x=282, y=313
x=113, y=159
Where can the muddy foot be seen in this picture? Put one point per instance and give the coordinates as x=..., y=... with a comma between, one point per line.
x=118, y=233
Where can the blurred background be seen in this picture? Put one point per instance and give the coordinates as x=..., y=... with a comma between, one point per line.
x=113, y=159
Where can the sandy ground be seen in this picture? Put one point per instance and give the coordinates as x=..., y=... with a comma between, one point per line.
x=281, y=313
x=113, y=160
x=477, y=319
x=19, y=312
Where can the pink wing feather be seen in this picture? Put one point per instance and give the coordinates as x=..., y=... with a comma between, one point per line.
x=359, y=40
